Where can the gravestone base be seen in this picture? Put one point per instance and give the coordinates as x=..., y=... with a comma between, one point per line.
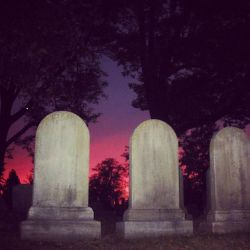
x=60, y=229
x=60, y=213
x=60, y=223
x=140, y=229
x=222, y=227
x=226, y=222
x=133, y=214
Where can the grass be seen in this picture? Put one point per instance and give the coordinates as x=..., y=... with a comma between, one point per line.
x=10, y=240
x=110, y=242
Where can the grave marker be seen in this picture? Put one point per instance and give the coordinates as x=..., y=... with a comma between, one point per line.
x=154, y=202
x=60, y=196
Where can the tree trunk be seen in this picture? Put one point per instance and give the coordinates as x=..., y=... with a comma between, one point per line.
x=7, y=99
x=3, y=138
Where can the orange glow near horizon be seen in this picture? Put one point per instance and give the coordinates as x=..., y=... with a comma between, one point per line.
x=21, y=163
x=101, y=147
x=111, y=147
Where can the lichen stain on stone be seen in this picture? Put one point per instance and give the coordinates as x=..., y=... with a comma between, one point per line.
x=70, y=196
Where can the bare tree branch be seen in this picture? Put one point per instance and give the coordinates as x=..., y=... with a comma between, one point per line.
x=20, y=133
x=21, y=112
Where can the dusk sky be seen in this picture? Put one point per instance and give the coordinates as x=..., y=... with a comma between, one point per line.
x=187, y=169
x=110, y=135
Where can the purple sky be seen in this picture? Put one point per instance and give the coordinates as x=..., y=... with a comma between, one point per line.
x=111, y=133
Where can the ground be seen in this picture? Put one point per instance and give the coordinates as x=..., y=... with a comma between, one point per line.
x=230, y=242
x=10, y=240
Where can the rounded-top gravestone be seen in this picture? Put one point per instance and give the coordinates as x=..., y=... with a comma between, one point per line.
x=228, y=182
x=154, y=167
x=61, y=161
x=60, y=195
x=154, y=200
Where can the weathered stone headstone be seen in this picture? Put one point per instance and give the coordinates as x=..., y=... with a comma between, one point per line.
x=60, y=196
x=3, y=207
x=154, y=201
x=228, y=183
x=3, y=212
x=21, y=200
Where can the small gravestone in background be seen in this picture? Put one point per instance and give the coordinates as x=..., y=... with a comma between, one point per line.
x=3, y=212
x=228, y=183
x=154, y=201
x=60, y=196
x=21, y=200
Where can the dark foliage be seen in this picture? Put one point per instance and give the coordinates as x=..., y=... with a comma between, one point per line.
x=49, y=60
x=107, y=183
x=189, y=59
x=190, y=62
x=11, y=182
x=192, y=59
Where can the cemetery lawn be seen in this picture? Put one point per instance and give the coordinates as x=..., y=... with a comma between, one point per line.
x=110, y=242
x=10, y=240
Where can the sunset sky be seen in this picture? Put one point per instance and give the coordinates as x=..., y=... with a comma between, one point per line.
x=110, y=134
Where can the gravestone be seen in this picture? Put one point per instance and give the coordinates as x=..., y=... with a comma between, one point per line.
x=228, y=198
x=60, y=195
x=3, y=212
x=3, y=208
x=21, y=200
x=155, y=197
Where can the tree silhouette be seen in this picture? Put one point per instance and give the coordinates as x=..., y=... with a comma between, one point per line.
x=30, y=177
x=195, y=162
x=2, y=181
x=188, y=58
x=195, y=157
x=190, y=62
x=49, y=60
x=11, y=182
x=106, y=184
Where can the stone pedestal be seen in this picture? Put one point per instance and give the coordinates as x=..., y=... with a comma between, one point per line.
x=228, y=183
x=21, y=200
x=60, y=192
x=140, y=223
x=47, y=223
x=226, y=222
x=142, y=229
x=155, y=197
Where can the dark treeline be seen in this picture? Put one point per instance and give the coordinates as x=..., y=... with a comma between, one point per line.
x=189, y=60
x=108, y=183
x=49, y=60
x=6, y=190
